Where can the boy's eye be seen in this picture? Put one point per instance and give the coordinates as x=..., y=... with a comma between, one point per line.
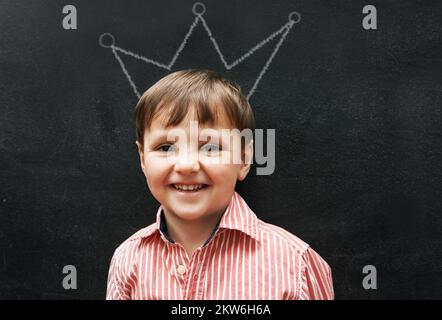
x=167, y=147
x=210, y=148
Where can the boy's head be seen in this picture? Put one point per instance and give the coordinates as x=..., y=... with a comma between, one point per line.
x=190, y=130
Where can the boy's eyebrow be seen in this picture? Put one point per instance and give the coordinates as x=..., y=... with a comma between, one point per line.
x=157, y=135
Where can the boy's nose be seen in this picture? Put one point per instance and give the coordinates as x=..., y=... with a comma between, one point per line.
x=187, y=163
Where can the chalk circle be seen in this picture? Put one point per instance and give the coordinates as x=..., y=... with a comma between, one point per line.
x=106, y=37
x=198, y=8
x=294, y=17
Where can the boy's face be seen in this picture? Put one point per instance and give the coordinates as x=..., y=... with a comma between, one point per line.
x=191, y=177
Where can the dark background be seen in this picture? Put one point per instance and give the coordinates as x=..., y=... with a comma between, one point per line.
x=358, y=135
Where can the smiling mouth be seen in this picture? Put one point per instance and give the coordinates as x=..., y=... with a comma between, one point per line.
x=189, y=187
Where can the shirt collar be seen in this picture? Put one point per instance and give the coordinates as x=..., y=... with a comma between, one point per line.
x=238, y=216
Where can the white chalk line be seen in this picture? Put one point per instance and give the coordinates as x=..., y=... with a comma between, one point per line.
x=248, y=53
x=285, y=29
x=183, y=44
x=137, y=56
x=123, y=67
x=266, y=66
x=215, y=44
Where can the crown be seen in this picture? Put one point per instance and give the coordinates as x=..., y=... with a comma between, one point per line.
x=107, y=40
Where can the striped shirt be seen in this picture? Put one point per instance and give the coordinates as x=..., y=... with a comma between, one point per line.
x=244, y=259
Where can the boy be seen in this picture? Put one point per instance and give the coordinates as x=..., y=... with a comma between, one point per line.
x=206, y=242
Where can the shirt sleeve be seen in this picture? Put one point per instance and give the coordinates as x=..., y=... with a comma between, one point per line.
x=317, y=283
x=115, y=286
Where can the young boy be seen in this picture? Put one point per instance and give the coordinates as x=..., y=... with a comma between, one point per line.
x=206, y=242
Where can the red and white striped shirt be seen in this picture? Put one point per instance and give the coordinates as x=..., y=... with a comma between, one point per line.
x=245, y=259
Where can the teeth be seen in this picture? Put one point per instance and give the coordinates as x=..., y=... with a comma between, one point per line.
x=187, y=187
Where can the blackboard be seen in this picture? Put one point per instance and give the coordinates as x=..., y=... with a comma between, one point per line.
x=357, y=115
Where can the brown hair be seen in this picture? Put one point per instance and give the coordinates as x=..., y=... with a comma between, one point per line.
x=206, y=92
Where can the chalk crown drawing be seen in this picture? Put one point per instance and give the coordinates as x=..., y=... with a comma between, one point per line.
x=107, y=40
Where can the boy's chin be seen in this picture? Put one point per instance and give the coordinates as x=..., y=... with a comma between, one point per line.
x=189, y=215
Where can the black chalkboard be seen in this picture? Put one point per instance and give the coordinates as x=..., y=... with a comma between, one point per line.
x=357, y=115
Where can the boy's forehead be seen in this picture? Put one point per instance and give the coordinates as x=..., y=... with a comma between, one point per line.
x=159, y=123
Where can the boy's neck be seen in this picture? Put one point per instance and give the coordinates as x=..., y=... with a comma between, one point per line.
x=191, y=234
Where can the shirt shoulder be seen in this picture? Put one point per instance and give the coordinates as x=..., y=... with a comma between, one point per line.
x=134, y=240
x=283, y=235
x=122, y=270
x=313, y=273
x=299, y=248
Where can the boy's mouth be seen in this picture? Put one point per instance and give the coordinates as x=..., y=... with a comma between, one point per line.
x=189, y=187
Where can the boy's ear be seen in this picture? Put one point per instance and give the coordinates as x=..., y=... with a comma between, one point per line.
x=245, y=166
x=141, y=154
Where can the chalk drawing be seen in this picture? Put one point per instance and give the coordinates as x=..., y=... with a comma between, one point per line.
x=107, y=40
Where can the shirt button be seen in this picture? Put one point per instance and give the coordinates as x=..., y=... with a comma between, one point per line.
x=181, y=269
